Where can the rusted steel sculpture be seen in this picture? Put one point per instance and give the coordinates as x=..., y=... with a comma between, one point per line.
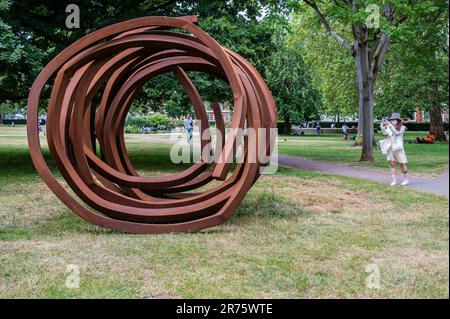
x=116, y=61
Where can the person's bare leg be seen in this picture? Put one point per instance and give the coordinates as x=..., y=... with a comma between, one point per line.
x=405, y=174
x=393, y=173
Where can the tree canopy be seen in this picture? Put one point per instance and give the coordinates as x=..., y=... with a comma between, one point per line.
x=305, y=50
x=33, y=32
x=289, y=78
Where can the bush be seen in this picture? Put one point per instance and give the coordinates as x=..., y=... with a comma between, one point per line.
x=177, y=123
x=137, y=121
x=132, y=129
x=161, y=122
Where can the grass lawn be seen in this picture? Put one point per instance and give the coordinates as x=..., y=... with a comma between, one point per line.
x=423, y=159
x=297, y=234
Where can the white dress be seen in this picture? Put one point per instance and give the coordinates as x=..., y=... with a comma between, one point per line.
x=396, y=152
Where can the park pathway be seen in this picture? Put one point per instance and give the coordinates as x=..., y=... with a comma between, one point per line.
x=437, y=185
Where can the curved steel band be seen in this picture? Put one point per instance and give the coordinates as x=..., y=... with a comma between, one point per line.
x=113, y=64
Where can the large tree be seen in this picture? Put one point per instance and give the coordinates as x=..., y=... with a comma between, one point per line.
x=288, y=76
x=428, y=49
x=371, y=35
x=416, y=73
x=32, y=32
x=328, y=64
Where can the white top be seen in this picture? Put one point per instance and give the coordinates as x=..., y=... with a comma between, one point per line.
x=188, y=123
x=395, y=136
x=344, y=128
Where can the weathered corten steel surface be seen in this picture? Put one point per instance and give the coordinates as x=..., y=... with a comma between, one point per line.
x=114, y=63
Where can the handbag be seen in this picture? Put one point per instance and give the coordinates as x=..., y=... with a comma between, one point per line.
x=385, y=145
x=397, y=145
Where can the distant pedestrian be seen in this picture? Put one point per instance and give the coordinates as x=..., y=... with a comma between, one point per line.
x=318, y=128
x=393, y=146
x=344, y=129
x=189, y=128
x=41, y=126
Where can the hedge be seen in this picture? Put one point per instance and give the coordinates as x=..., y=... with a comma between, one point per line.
x=19, y=121
x=413, y=127
x=280, y=125
x=421, y=126
x=338, y=125
x=160, y=122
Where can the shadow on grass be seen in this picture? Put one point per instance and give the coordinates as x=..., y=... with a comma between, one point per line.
x=268, y=205
x=15, y=161
x=18, y=171
x=60, y=225
x=256, y=207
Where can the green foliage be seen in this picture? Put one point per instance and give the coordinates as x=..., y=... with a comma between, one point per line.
x=11, y=107
x=292, y=84
x=136, y=121
x=332, y=68
x=251, y=39
x=31, y=33
x=176, y=123
x=160, y=122
x=20, y=59
x=416, y=73
x=322, y=79
x=162, y=94
x=132, y=129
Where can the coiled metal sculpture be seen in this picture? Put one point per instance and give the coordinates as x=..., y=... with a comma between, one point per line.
x=119, y=59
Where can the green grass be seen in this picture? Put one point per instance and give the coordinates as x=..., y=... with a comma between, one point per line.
x=297, y=234
x=422, y=159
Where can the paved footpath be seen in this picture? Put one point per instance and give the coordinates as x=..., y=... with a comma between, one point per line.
x=438, y=185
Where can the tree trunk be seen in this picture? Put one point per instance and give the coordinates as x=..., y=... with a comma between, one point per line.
x=368, y=136
x=359, y=77
x=436, y=125
x=365, y=95
x=367, y=64
x=287, y=125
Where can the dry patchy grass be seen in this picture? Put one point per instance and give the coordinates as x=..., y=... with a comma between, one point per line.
x=297, y=234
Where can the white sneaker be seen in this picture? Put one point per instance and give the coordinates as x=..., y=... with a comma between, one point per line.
x=405, y=182
x=393, y=183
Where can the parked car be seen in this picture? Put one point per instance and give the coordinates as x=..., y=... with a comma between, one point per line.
x=297, y=129
x=18, y=116
x=148, y=129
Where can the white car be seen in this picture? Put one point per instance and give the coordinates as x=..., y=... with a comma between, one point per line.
x=18, y=116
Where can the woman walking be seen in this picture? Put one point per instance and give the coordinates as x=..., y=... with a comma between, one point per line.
x=394, y=147
x=189, y=127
